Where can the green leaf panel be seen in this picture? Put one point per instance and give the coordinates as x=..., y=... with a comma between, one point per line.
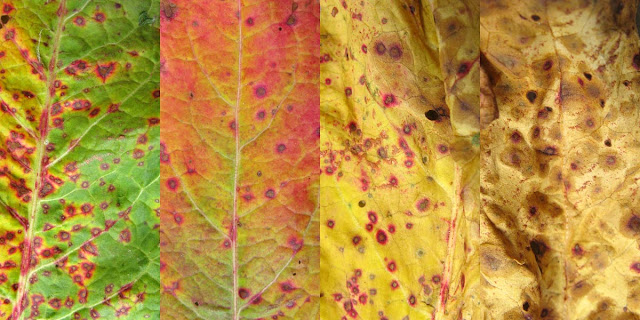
x=79, y=159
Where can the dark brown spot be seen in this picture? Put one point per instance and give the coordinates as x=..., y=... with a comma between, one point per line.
x=544, y=313
x=538, y=247
x=535, y=17
x=531, y=96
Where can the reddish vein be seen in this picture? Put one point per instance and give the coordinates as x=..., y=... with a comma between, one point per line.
x=451, y=242
x=25, y=266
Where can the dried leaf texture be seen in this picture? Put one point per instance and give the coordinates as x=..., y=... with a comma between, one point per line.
x=560, y=170
x=79, y=168
x=240, y=140
x=399, y=159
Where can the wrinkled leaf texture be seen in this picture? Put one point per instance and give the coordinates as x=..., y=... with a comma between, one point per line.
x=79, y=160
x=399, y=159
x=240, y=136
x=560, y=171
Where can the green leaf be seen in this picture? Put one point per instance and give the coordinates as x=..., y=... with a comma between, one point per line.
x=79, y=168
x=144, y=19
x=240, y=134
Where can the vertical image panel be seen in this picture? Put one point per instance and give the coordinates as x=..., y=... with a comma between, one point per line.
x=79, y=159
x=560, y=84
x=399, y=159
x=239, y=159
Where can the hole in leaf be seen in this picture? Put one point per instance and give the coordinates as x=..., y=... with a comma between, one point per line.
x=431, y=115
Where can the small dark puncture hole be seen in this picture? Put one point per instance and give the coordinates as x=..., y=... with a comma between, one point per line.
x=4, y=19
x=525, y=306
x=432, y=115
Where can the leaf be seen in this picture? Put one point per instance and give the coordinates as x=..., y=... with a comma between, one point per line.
x=561, y=212
x=399, y=156
x=79, y=170
x=144, y=19
x=239, y=165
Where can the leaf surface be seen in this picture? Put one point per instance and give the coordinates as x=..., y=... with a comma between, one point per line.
x=240, y=159
x=79, y=169
x=561, y=212
x=399, y=159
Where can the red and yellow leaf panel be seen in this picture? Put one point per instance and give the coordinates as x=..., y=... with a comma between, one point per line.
x=399, y=159
x=79, y=159
x=239, y=162
x=560, y=170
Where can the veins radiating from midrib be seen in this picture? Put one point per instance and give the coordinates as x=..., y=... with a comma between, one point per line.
x=17, y=310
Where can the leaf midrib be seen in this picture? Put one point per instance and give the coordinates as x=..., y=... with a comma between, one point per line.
x=236, y=164
x=25, y=262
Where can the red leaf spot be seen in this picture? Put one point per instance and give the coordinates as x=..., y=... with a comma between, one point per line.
x=105, y=71
x=295, y=243
x=287, y=287
x=260, y=91
x=256, y=299
x=79, y=21
x=373, y=217
x=270, y=194
x=423, y=205
x=412, y=300
x=125, y=236
x=391, y=228
x=173, y=183
x=247, y=197
x=99, y=17
x=381, y=237
x=389, y=100
x=348, y=91
x=331, y=224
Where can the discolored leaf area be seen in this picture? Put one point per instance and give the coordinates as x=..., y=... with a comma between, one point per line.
x=79, y=160
x=239, y=161
x=560, y=171
x=399, y=159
